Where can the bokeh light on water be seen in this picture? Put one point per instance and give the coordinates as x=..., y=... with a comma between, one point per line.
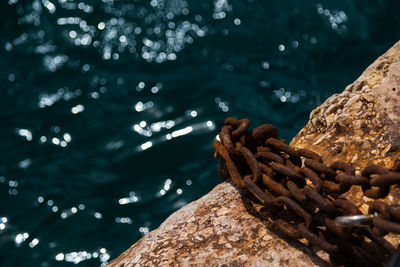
x=109, y=108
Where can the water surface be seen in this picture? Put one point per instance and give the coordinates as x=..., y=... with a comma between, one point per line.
x=109, y=108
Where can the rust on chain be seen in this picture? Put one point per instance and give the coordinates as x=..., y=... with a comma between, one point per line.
x=258, y=193
x=240, y=126
x=386, y=179
x=377, y=192
x=395, y=213
x=232, y=121
x=320, y=168
x=381, y=211
x=270, y=196
x=269, y=156
x=309, y=154
x=351, y=179
x=281, y=146
x=298, y=186
x=252, y=162
x=290, y=164
x=287, y=228
x=295, y=208
x=226, y=138
x=314, y=178
x=340, y=188
x=334, y=188
x=263, y=132
x=374, y=192
x=274, y=186
x=386, y=225
x=286, y=171
x=265, y=169
x=316, y=240
x=296, y=192
x=346, y=206
x=244, y=125
x=342, y=232
x=321, y=202
x=233, y=171
x=263, y=149
x=380, y=241
x=343, y=166
x=373, y=169
x=365, y=257
x=381, y=208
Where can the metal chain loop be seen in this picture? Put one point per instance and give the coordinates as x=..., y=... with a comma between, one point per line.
x=306, y=195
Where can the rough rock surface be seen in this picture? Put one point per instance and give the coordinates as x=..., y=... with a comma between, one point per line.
x=365, y=117
x=214, y=230
x=360, y=125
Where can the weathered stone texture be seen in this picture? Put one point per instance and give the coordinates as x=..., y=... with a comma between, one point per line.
x=360, y=125
x=217, y=229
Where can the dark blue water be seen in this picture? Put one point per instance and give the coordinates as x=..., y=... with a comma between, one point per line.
x=109, y=108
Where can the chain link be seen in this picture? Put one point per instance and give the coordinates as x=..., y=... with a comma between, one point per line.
x=305, y=195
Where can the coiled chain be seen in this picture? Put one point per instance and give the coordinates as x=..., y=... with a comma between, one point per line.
x=304, y=196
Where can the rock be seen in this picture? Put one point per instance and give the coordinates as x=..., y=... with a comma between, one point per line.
x=214, y=230
x=360, y=125
x=363, y=120
x=366, y=122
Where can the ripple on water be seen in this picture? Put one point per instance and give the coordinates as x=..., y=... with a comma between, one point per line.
x=109, y=108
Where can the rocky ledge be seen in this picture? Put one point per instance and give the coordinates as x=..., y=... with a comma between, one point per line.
x=360, y=125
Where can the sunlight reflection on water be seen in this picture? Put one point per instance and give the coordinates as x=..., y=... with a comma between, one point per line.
x=109, y=108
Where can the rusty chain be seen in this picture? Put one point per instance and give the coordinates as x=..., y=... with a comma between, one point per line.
x=304, y=196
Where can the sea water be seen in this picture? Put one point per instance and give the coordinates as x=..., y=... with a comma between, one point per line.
x=109, y=108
